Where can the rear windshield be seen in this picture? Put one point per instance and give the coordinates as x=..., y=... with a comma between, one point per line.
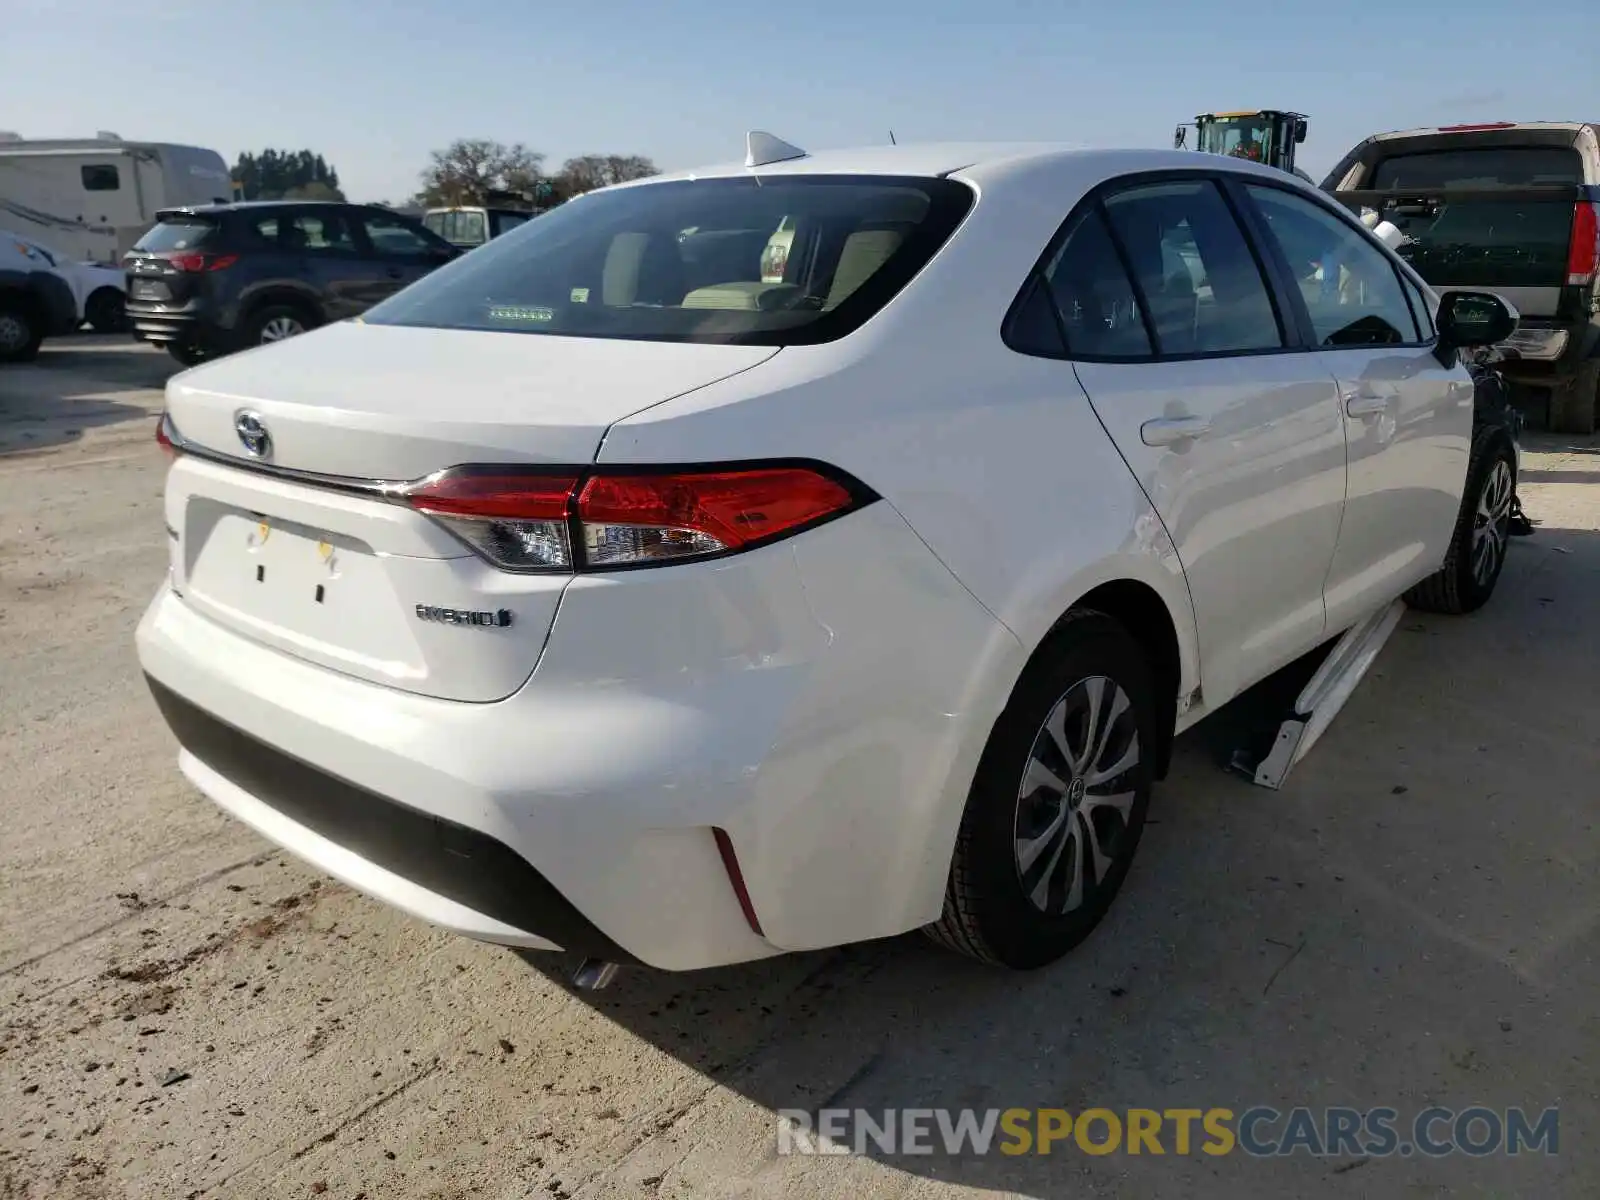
x=183, y=234
x=1484, y=168
x=776, y=261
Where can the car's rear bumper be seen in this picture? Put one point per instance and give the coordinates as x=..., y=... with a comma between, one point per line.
x=163, y=324
x=1545, y=353
x=823, y=702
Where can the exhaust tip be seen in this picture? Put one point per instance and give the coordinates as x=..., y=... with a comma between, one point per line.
x=593, y=974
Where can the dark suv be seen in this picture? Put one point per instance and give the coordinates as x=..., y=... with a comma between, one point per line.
x=206, y=281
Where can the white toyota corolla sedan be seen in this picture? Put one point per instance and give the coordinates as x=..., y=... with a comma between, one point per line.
x=809, y=549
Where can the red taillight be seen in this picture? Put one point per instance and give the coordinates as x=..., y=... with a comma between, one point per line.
x=195, y=261
x=631, y=519
x=166, y=436
x=1474, y=128
x=1584, y=254
x=517, y=519
x=524, y=519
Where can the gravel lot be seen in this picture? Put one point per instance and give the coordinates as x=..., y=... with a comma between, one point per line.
x=186, y=1012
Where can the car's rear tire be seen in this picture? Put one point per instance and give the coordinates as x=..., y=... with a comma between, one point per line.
x=1575, y=405
x=187, y=353
x=275, y=323
x=21, y=334
x=106, y=311
x=1058, y=802
x=1482, y=535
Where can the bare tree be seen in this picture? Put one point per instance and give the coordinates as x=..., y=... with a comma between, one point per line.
x=471, y=168
x=590, y=171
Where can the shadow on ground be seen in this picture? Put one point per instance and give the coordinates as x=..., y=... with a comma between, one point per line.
x=1413, y=920
x=75, y=385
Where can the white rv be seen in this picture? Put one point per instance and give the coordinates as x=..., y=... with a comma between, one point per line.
x=90, y=199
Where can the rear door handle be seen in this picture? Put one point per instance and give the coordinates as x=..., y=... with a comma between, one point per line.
x=1167, y=431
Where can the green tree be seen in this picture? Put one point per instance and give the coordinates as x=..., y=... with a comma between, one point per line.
x=286, y=174
x=469, y=169
x=590, y=171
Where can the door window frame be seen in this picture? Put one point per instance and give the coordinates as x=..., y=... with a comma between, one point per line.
x=1290, y=327
x=1288, y=304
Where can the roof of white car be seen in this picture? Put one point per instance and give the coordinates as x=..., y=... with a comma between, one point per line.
x=974, y=159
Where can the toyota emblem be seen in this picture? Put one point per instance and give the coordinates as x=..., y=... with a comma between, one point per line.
x=253, y=435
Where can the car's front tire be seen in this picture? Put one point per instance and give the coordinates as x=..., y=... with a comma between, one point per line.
x=1482, y=535
x=20, y=333
x=1058, y=802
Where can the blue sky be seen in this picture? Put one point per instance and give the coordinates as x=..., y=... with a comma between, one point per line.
x=373, y=86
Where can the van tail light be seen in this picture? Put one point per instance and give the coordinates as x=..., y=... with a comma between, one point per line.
x=1584, y=255
x=532, y=519
x=195, y=261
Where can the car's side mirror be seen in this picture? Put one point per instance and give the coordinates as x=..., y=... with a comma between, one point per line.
x=1471, y=319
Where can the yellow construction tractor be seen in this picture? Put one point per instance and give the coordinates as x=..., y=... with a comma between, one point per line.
x=1264, y=135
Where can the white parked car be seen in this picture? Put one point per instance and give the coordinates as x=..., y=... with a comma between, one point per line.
x=597, y=592
x=99, y=292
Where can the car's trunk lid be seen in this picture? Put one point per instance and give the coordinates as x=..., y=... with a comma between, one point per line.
x=397, y=402
x=300, y=549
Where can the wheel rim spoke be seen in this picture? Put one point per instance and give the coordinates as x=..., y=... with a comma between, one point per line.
x=1491, y=523
x=1041, y=778
x=1096, y=692
x=1125, y=762
x=1041, y=891
x=1029, y=850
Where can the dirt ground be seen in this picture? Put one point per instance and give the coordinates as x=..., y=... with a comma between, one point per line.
x=185, y=1012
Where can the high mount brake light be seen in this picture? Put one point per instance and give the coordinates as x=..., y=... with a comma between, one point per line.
x=531, y=519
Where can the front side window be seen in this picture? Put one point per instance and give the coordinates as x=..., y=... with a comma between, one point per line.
x=688, y=261
x=1205, y=293
x=101, y=177
x=392, y=237
x=1350, y=287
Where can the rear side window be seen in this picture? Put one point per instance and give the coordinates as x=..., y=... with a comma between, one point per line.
x=100, y=178
x=1351, y=290
x=688, y=261
x=317, y=233
x=1478, y=169
x=1204, y=291
x=185, y=234
x=1094, y=298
